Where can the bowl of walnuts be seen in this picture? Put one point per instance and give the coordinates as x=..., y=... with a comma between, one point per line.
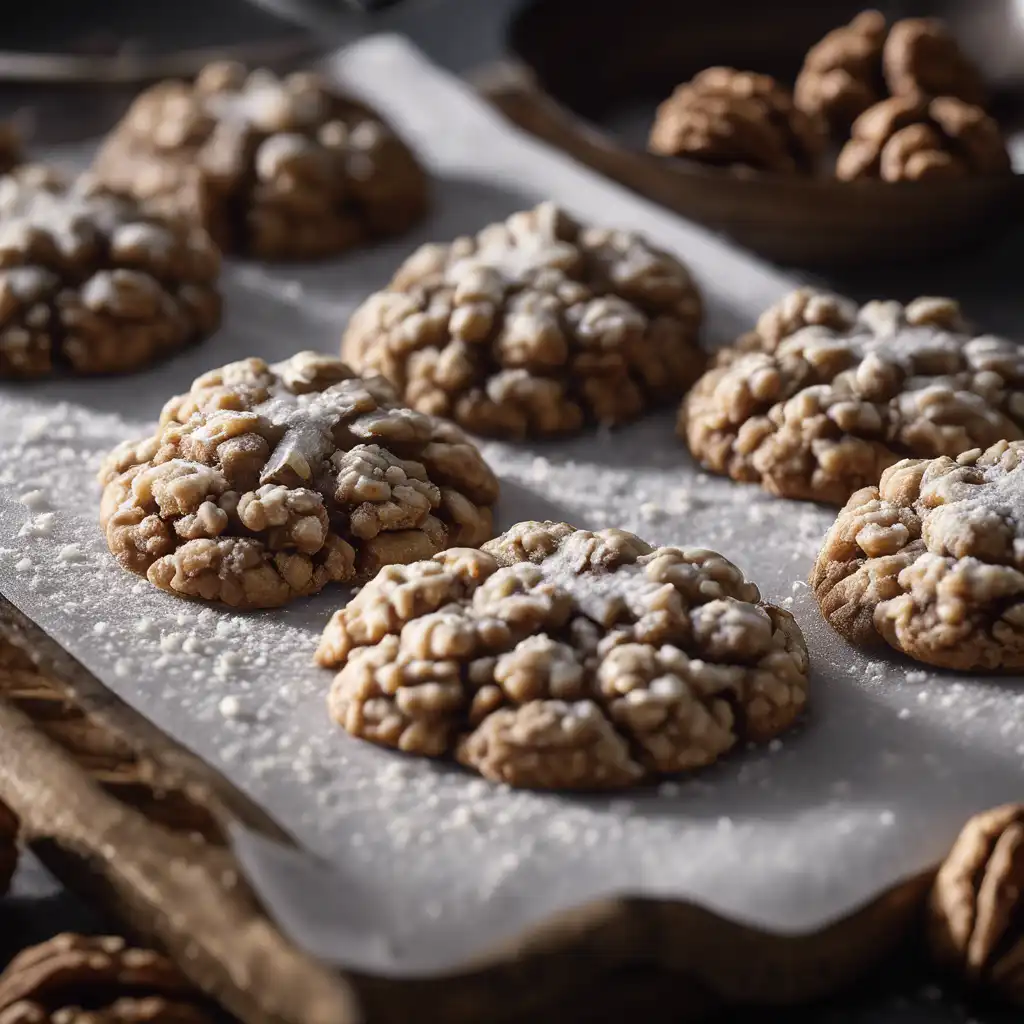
x=826, y=136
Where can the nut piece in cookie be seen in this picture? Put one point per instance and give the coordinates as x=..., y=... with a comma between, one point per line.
x=557, y=658
x=265, y=483
x=93, y=283
x=931, y=561
x=279, y=168
x=533, y=327
x=8, y=846
x=737, y=118
x=824, y=396
x=977, y=900
x=841, y=76
x=79, y=979
x=906, y=138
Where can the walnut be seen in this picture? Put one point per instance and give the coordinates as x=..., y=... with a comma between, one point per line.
x=923, y=59
x=822, y=411
x=841, y=74
x=533, y=327
x=910, y=139
x=737, y=118
x=974, y=920
x=557, y=658
x=77, y=979
x=8, y=847
x=279, y=168
x=931, y=561
x=265, y=483
x=93, y=283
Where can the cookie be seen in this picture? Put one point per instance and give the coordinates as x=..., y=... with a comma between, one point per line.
x=535, y=326
x=266, y=482
x=8, y=847
x=931, y=561
x=78, y=979
x=907, y=138
x=91, y=283
x=824, y=396
x=557, y=658
x=732, y=118
x=277, y=168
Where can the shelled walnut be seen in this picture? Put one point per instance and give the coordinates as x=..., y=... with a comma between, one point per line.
x=912, y=139
x=727, y=117
x=77, y=979
x=976, y=910
x=859, y=64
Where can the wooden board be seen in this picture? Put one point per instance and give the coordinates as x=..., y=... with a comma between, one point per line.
x=135, y=824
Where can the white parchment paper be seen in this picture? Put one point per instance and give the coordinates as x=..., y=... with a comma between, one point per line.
x=419, y=866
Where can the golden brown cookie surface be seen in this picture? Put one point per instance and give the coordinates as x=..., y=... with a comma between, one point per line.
x=825, y=395
x=533, y=327
x=557, y=658
x=278, y=168
x=266, y=482
x=931, y=561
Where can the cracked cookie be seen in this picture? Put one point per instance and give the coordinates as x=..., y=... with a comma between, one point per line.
x=824, y=396
x=266, y=482
x=8, y=846
x=533, y=327
x=913, y=139
x=974, y=921
x=93, y=283
x=733, y=118
x=78, y=979
x=557, y=658
x=278, y=168
x=857, y=65
x=931, y=561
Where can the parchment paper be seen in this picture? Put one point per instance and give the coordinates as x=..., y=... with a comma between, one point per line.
x=420, y=865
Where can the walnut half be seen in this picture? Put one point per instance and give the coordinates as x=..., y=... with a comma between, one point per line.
x=976, y=925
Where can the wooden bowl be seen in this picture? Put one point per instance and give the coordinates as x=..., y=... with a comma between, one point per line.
x=586, y=77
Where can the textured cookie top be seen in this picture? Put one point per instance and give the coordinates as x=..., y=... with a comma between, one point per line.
x=907, y=138
x=533, y=326
x=729, y=117
x=824, y=396
x=264, y=483
x=78, y=979
x=278, y=167
x=932, y=560
x=94, y=283
x=558, y=658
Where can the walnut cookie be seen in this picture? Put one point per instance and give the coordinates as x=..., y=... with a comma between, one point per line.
x=533, y=327
x=278, y=168
x=79, y=979
x=266, y=482
x=824, y=396
x=557, y=658
x=931, y=561
x=92, y=283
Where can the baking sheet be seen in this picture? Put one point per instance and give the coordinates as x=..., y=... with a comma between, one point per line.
x=419, y=866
